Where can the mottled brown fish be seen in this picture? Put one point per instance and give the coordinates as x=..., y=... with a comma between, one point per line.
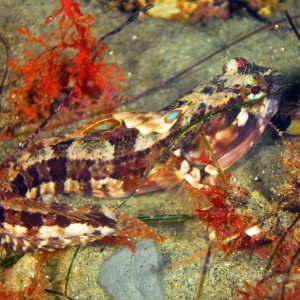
x=109, y=156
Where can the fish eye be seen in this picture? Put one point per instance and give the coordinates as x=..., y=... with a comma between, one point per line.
x=255, y=89
x=256, y=92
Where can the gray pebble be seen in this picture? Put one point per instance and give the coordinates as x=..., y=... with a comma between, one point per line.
x=134, y=276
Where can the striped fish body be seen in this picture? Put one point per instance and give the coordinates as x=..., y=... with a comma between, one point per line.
x=108, y=157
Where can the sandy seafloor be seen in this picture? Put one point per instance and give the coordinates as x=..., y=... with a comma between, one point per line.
x=150, y=51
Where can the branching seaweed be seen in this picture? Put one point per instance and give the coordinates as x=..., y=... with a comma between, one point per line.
x=92, y=56
x=51, y=80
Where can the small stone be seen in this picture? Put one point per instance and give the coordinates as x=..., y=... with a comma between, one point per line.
x=135, y=276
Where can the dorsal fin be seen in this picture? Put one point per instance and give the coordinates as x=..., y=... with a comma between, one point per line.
x=145, y=123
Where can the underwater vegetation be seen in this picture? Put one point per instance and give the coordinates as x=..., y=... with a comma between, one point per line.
x=234, y=220
x=68, y=62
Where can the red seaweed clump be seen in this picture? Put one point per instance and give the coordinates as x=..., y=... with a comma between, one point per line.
x=221, y=218
x=272, y=290
x=275, y=239
x=69, y=62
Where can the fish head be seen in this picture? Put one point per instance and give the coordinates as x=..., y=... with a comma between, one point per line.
x=232, y=133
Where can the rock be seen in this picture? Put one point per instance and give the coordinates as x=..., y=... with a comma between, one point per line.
x=134, y=276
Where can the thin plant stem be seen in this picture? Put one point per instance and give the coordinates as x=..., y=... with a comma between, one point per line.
x=167, y=217
x=204, y=272
x=119, y=28
x=57, y=293
x=69, y=271
x=215, y=161
x=292, y=24
x=269, y=264
x=6, y=66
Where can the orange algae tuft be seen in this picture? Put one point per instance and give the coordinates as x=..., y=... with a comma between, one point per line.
x=66, y=64
x=222, y=218
x=25, y=279
x=271, y=289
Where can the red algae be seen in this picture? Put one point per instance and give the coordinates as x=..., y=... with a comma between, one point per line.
x=66, y=65
x=234, y=228
x=271, y=289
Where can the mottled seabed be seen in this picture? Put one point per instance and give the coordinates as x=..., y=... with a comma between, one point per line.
x=150, y=51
